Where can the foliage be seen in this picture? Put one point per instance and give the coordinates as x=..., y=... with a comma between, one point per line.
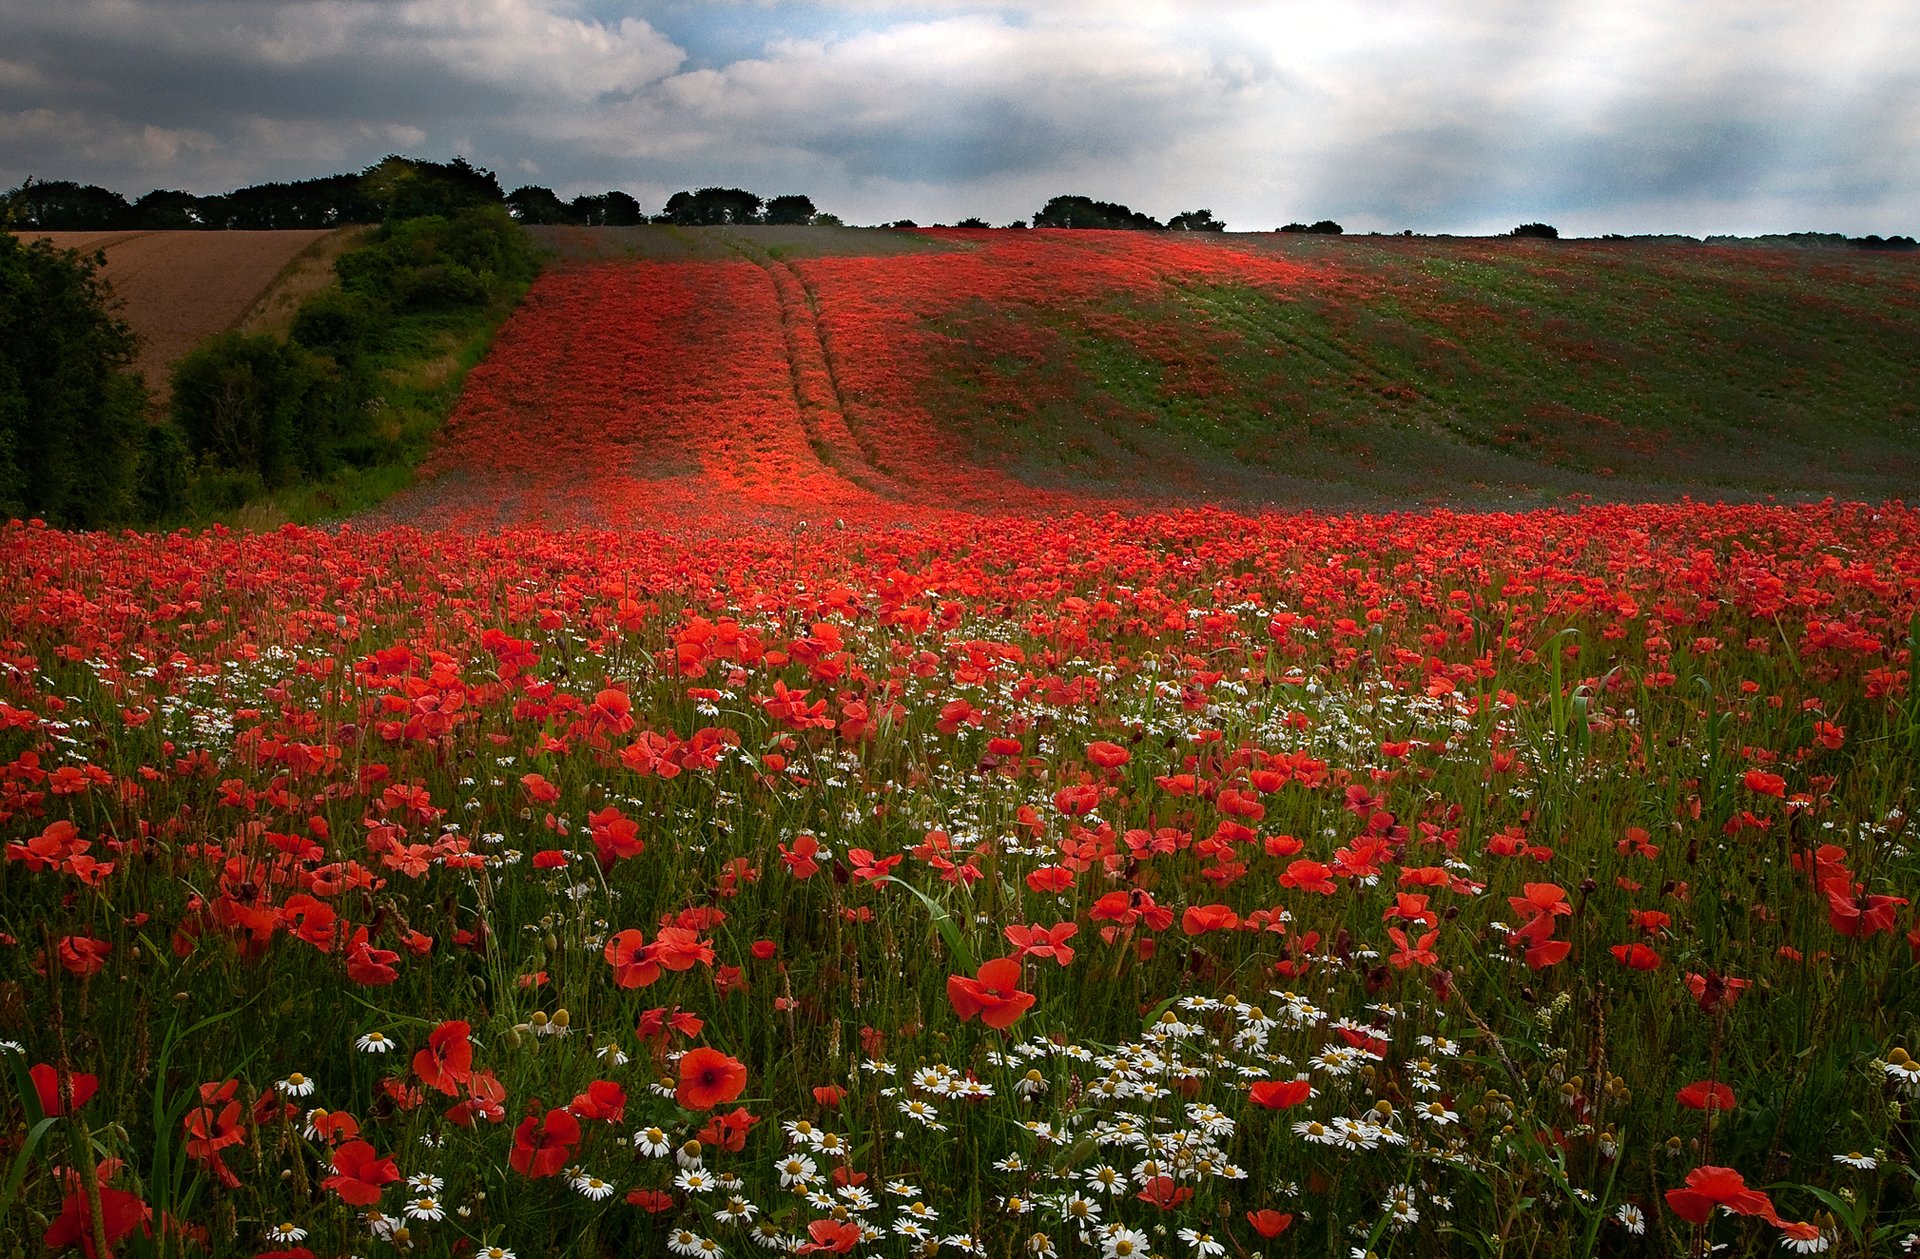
x=1195, y=221
x=608, y=209
x=713, y=207
x=536, y=206
x=1076, y=211
x=70, y=408
x=1539, y=231
x=63, y=205
x=257, y=405
x=1325, y=227
x=790, y=209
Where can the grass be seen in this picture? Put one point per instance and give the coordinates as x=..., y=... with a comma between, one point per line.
x=1618, y=370
x=1289, y=736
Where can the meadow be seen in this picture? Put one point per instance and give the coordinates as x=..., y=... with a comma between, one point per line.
x=806, y=789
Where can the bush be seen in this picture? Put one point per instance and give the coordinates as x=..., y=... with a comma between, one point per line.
x=71, y=411
x=252, y=404
x=435, y=263
x=1539, y=231
x=341, y=325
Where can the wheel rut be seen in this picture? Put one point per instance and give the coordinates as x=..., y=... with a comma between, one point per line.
x=816, y=385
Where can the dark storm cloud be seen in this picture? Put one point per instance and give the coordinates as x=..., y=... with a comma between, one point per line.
x=1628, y=115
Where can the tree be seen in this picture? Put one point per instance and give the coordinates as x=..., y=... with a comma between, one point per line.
x=793, y=209
x=713, y=207
x=1073, y=211
x=973, y=222
x=169, y=210
x=1195, y=221
x=1539, y=231
x=1326, y=227
x=60, y=205
x=71, y=411
x=408, y=188
x=536, y=206
x=608, y=209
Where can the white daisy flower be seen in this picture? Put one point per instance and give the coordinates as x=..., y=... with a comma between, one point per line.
x=296, y=1085
x=592, y=1187
x=1203, y=1244
x=373, y=1043
x=427, y=1208
x=287, y=1232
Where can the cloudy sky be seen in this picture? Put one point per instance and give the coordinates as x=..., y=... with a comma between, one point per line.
x=1690, y=116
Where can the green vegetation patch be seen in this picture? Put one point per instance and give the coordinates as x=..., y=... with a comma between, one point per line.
x=1451, y=370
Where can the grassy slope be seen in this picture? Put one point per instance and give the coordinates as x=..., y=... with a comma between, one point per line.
x=1465, y=371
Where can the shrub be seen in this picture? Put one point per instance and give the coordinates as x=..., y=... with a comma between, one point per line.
x=252, y=404
x=70, y=408
x=1539, y=231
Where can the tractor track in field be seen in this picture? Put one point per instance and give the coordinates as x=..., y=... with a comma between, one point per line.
x=817, y=394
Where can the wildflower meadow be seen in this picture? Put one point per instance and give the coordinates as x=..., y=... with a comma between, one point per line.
x=793, y=851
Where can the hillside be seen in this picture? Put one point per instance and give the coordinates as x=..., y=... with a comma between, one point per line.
x=663, y=373
x=178, y=288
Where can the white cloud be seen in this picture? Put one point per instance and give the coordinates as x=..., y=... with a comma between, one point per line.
x=1432, y=114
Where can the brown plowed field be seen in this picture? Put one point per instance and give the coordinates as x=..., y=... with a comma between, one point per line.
x=182, y=287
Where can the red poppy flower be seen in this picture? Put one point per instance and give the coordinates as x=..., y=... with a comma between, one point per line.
x=993, y=993
x=1637, y=956
x=830, y=1235
x=729, y=1131
x=1705, y=1095
x=83, y=955
x=1108, y=755
x=1710, y=1187
x=709, y=1078
x=1165, y=1192
x=447, y=1061
x=604, y=1099
x=1269, y=1223
x=541, y=1147
x=47, y=1083
x=1200, y=919
x=1039, y=941
x=632, y=962
x=1279, y=1094
x=359, y=1174
x=120, y=1214
x=654, y=1201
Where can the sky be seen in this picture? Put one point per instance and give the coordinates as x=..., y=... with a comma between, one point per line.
x=1463, y=116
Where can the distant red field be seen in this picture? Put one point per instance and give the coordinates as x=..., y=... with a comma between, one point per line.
x=663, y=375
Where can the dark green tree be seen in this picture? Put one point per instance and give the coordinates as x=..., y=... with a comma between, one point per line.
x=253, y=404
x=409, y=188
x=166, y=209
x=793, y=209
x=713, y=207
x=1538, y=231
x=536, y=206
x=1073, y=211
x=71, y=411
x=60, y=205
x=1195, y=221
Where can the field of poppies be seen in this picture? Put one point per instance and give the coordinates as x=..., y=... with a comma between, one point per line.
x=754, y=821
